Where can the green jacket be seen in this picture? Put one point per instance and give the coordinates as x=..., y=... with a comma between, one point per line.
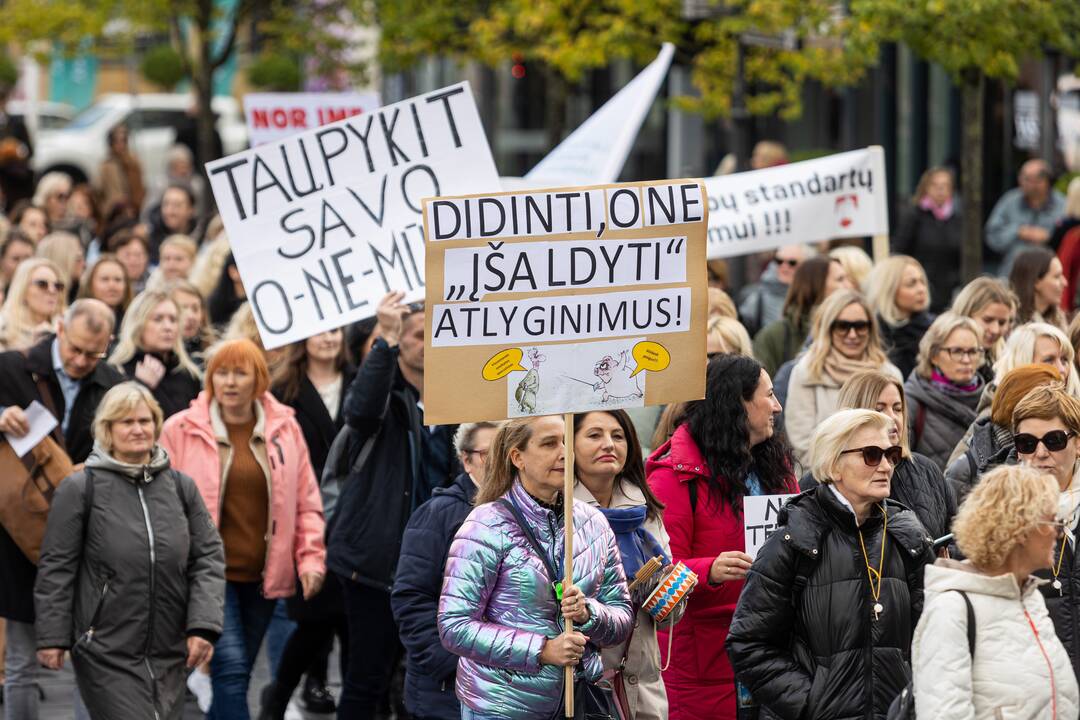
x=778, y=342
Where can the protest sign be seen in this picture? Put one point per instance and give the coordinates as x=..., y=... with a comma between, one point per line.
x=273, y=116
x=837, y=196
x=565, y=300
x=597, y=150
x=760, y=513
x=324, y=223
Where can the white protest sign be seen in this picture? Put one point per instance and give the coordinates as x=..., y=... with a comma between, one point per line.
x=837, y=196
x=273, y=116
x=324, y=223
x=597, y=150
x=760, y=514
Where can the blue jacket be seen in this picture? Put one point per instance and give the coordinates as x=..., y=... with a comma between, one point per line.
x=430, y=668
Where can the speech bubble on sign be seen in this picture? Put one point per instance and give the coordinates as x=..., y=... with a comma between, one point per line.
x=505, y=362
x=651, y=356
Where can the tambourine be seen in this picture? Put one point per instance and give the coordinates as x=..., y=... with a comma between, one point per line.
x=673, y=588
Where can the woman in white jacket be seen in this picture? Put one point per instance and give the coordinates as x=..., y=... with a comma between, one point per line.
x=1008, y=529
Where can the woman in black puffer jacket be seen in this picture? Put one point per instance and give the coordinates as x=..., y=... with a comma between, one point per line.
x=917, y=483
x=812, y=636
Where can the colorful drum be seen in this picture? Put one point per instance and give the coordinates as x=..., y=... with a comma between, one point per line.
x=670, y=591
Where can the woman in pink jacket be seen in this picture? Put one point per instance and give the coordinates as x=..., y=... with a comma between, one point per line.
x=724, y=451
x=248, y=458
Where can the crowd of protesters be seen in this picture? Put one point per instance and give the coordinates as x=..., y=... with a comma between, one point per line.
x=226, y=498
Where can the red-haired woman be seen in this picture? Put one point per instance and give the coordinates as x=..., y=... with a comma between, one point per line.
x=247, y=454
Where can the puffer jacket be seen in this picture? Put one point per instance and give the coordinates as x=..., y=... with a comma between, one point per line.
x=295, y=518
x=938, y=416
x=1063, y=602
x=1019, y=671
x=804, y=640
x=124, y=586
x=498, y=608
x=901, y=342
x=918, y=485
x=991, y=445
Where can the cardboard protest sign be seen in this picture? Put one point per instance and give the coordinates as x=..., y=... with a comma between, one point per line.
x=565, y=300
x=837, y=196
x=324, y=223
x=273, y=116
x=760, y=519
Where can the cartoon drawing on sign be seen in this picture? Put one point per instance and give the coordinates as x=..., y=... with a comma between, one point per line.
x=846, y=206
x=526, y=390
x=615, y=378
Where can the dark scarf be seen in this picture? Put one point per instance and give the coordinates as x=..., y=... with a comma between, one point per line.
x=636, y=544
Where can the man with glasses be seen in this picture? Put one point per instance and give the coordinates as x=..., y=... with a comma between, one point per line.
x=1026, y=215
x=68, y=368
x=763, y=302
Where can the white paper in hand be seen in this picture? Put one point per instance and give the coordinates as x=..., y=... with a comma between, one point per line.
x=41, y=423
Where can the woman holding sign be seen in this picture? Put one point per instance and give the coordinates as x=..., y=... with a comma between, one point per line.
x=502, y=607
x=725, y=450
x=824, y=623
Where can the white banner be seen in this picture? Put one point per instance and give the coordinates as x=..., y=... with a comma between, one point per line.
x=760, y=517
x=596, y=152
x=837, y=196
x=273, y=116
x=324, y=223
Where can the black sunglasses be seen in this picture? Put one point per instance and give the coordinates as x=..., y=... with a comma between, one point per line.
x=872, y=454
x=861, y=327
x=45, y=285
x=1055, y=440
x=786, y=261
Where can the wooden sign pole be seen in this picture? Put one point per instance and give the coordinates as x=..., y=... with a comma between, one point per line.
x=568, y=559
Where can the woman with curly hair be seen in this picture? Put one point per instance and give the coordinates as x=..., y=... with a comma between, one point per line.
x=1011, y=663
x=725, y=450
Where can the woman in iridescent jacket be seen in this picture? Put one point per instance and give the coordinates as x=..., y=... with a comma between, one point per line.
x=498, y=609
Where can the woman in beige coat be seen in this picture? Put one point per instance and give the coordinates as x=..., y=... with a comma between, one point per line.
x=611, y=477
x=845, y=341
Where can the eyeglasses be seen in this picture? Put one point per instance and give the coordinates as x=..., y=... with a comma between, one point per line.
x=46, y=285
x=872, y=454
x=88, y=354
x=482, y=453
x=963, y=353
x=843, y=327
x=61, y=196
x=786, y=261
x=1054, y=441
x=1058, y=525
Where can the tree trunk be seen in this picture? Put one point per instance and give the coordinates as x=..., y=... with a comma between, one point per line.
x=972, y=91
x=558, y=93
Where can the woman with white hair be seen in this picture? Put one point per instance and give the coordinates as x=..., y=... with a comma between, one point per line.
x=825, y=619
x=985, y=647
x=845, y=342
x=132, y=572
x=900, y=296
x=35, y=300
x=1036, y=343
x=66, y=250
x=151, y=350
x=945, y=387
x=52, y=193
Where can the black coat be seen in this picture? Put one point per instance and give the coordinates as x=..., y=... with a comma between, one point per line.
x=937, y=245
x=901, y=342
x=991, y=445
x=816, y=651
x=918, y=485
x=374, y=506
x=1064, y=604
x=177, y=388
x=430, y=668
x=18, y=387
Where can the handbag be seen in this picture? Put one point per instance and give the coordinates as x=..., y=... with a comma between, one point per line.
x=592, y=701
x=27, y=484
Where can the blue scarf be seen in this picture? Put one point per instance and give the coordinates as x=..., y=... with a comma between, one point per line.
x=636, y=544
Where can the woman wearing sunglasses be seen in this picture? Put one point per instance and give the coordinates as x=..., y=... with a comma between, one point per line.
x=1009, y=530
x=945, y=387
x=824, y=623
x=845, y=342
x=1047, y=438
x=35, y=300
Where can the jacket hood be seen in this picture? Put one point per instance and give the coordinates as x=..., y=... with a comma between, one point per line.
x=463, y=488
x=680, y=455
x=100, y=459
x=945, y=575
x=198, y=414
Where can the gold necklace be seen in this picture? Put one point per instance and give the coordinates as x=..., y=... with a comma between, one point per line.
x=871, y=573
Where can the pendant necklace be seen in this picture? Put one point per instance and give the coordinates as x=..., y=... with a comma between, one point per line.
x=1056, y=569
x=873, y=575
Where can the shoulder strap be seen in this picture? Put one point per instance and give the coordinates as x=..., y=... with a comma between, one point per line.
x=537, y=548
x=47, y=401
x=180, y=493
x=970, y=621
x=88, y=502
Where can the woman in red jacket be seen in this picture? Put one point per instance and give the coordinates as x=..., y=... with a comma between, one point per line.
x=726, y=449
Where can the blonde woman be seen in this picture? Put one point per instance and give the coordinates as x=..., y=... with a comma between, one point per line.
x=52, y=193
x=727, y=335
x=151, y=350
x=66, y=250
x=856, y=263
x=175, y=260
x=1036, y=343
x=194, y=320
x=945, y=388
x=989, y=302
x=1008, y=529
x=845, y=342
x=35, y=300
x=900, y=296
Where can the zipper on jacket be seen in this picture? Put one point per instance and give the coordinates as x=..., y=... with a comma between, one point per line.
x=1049, y=665
x=153, y=591
x=88, y=636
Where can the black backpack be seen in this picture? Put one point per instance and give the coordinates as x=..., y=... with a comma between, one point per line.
x=903, y=707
